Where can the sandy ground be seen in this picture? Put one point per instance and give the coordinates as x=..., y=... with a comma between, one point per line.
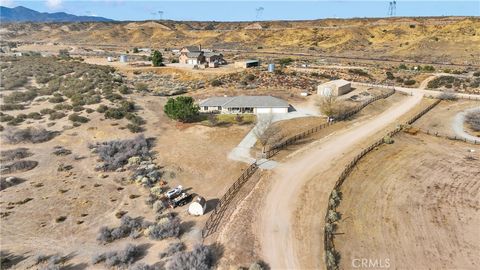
x=442, y=118
x=419, y=210
x=279, y=245
x=89, y=201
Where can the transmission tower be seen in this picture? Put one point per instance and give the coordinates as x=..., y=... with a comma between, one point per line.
x=259, y=12
x=392, y=8
x=160, y=14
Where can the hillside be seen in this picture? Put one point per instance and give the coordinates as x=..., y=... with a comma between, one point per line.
x=23, y=14
x=436, y=39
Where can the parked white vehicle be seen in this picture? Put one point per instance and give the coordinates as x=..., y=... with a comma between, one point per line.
x=174, y=192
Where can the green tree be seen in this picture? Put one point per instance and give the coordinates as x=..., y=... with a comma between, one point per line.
x=181, y=108
x=135, y=50
x=157, y=59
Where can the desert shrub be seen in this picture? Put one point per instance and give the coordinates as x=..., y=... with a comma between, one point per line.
x=15, y=121
x=17, y=97
x=18, y=166
x=143, y=266
x=181, y=108
x=114, y=113
x=116, y=153
x=6, y=117
x=359, y=72
x=473, y=119
x=333, y=216
x=447, y=96
x=200, y=258
x=89, y=110
x=141, y=87
x=389, y=75
x=56, y=115
x=102, y=108
x=127, y=106
x=124, y=90
x=128, y=227
x=257, y=266
x=46, y=111
x=409, y=82
x=402, y=66
x=14, y=154
x=78, y=118
x=11, y=107
x=216, y=83
x=285, y=61
x=56, y=99
x=6, y=182
x=172, y=249
x=135, y=119
x=60, y=151
x=119, y=258
x=166, y=227
x=34, y=115
x=476, y=74
x=30, y=134
x=332, y=257
x=250, y=77
x=63, y=107
x=388, y=140
x=78, y=108
x=134, y=128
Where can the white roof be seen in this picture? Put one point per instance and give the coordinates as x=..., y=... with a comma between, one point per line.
x=338, y=83
x=245, y=102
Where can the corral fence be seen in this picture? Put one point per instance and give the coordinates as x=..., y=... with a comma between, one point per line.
x=273, y=150
x=215, y=217
x=450, y=137
x=331, y=255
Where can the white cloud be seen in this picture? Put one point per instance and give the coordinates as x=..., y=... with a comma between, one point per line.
x=7, y=3
x=54, y=4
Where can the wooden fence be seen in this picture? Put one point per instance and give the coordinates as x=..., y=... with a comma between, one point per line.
x=450, y=137
x=329, y=246
x=273, y=150
x=215, y=217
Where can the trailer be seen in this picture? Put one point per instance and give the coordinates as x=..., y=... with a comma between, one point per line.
x=181, y=200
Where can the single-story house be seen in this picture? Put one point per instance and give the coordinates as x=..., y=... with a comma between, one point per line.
x=247, y=63
x=334, y=88
x=244, y=104
x=214, y=57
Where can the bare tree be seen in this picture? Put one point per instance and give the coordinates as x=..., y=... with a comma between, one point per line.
x=265, y=132
x=328, y=105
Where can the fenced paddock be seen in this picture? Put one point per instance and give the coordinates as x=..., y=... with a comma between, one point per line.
x=329, y=245
x=217, y=214
x=273, y=150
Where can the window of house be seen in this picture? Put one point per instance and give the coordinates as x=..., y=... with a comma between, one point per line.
x=219, y=108
x=205, y=108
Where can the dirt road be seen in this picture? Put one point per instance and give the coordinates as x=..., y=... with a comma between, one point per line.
x=280, y=247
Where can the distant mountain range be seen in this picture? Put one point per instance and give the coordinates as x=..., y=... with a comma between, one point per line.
x=23, y=14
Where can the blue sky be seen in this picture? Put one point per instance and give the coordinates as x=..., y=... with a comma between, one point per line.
x=229, y=10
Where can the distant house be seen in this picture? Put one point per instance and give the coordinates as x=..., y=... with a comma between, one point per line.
x=194, y=55
x=334, y=88
x=244, y=104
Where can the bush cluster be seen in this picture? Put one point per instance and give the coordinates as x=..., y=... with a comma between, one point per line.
x=119, y=258
x=116, y=153
x=30, y=134
x=473, y=119
x=128, y=227
x=200, y=258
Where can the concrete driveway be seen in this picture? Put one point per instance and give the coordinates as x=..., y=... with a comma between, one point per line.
x=243, y=150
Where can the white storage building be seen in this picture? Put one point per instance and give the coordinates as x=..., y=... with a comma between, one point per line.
x=334, y=88
x=244, y=104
